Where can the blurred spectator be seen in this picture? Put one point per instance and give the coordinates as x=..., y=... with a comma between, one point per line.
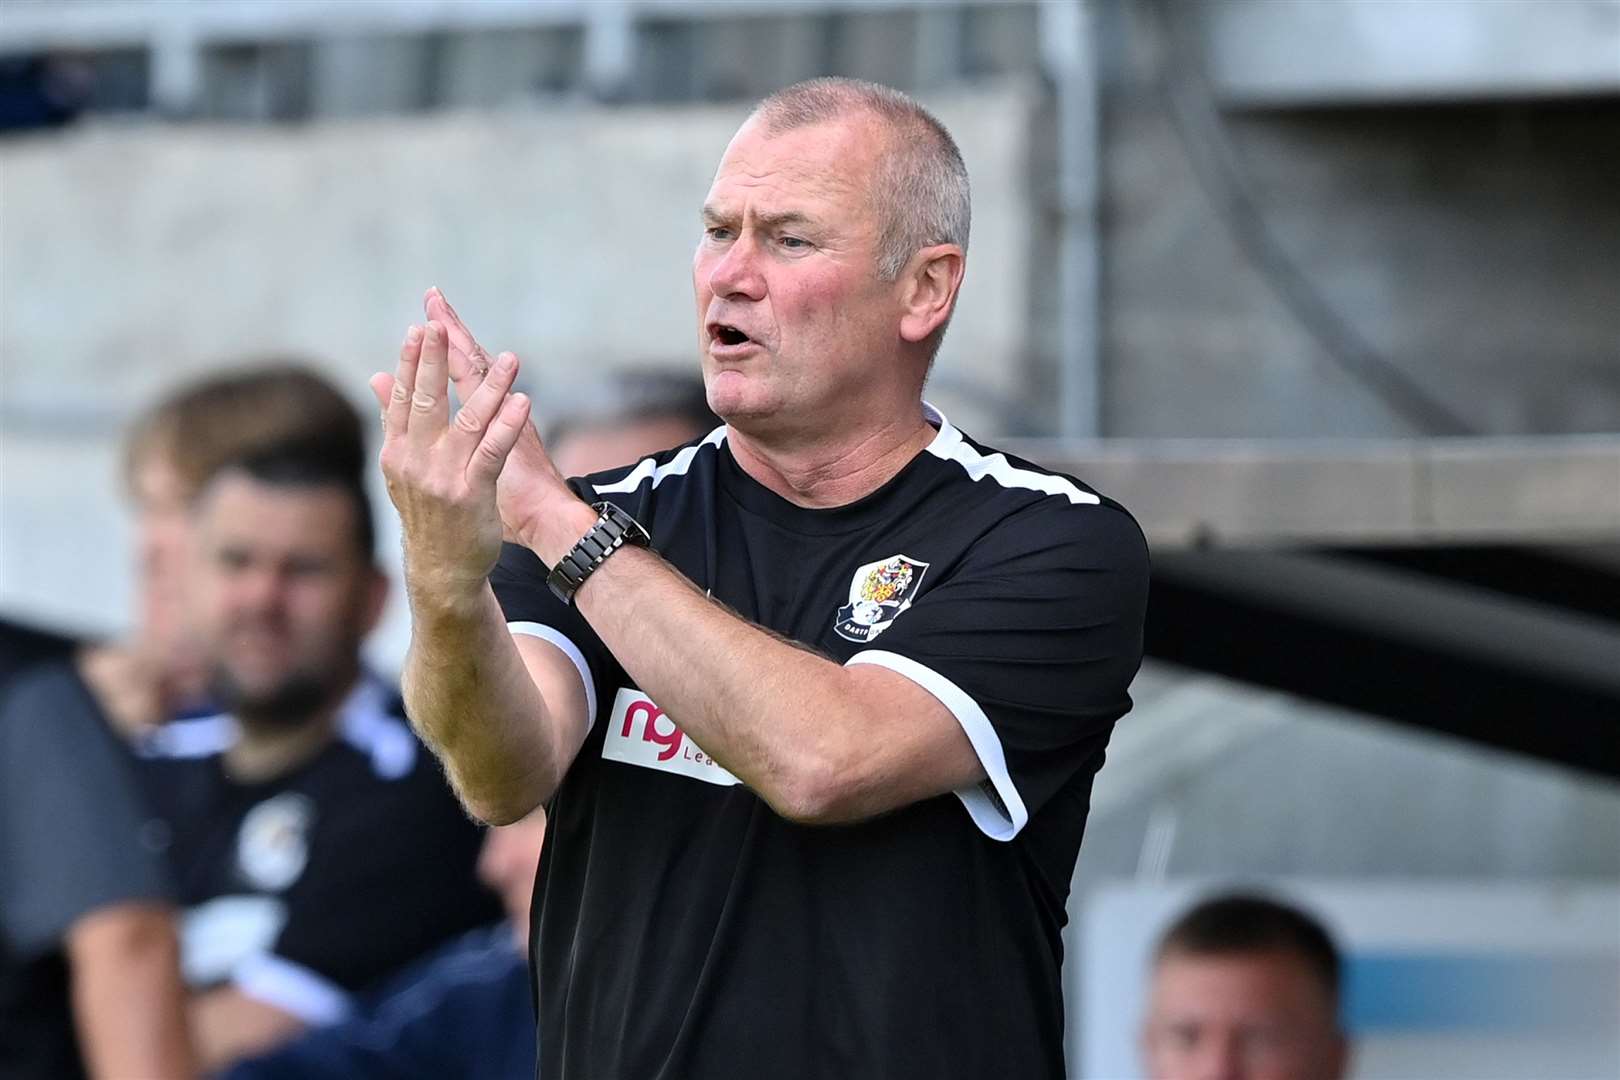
x=171, y=451
x=465, y=1011
x=627, y=415
x=1245, y=988
x=23, y=646
x=88, y=959
x=87, y=939
x=315, y=845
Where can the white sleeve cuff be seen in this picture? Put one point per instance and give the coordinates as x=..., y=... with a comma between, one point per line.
x=994, y=804
x=570, y=650
x=292, y=988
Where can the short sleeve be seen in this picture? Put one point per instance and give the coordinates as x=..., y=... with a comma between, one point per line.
x=1032, y=642
x=71, y=815
x=530, y=607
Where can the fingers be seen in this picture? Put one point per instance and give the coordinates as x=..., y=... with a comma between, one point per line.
x=430, y=397
x=397, y=406
x=469, y=362
x=473, y=418
x=498, y=441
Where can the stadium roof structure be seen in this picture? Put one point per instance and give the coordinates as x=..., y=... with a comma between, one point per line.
x=1466, y=586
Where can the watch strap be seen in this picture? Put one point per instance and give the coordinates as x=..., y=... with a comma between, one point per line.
x=613, y=529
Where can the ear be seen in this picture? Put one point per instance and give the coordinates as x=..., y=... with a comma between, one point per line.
x=928, y=287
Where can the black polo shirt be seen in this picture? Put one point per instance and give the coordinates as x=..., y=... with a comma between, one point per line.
x=684, y=930
x=305, y=889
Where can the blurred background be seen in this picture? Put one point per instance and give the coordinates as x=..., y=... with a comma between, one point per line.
x=1326, y=291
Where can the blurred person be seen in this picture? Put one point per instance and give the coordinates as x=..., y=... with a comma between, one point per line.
x=627, y=415
x=1245, y=988
x=315, y=847
x=777, y=845
x=462, y=1012
x=172, y=449
x=23, y=645
x=88, y=949
x=465, y=1011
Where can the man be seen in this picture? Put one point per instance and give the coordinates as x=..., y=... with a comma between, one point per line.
x=315, y=848
x=462, y=1012
x=465, y=1011
x=817, y=759
x=1245, y=988
x=89, y=978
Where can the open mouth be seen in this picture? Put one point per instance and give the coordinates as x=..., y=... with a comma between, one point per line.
x=726, y=334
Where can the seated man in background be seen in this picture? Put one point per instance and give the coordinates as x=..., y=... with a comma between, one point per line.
x=465, y=1011
x=314, y=843
x=88, y=971
x=1245, y=988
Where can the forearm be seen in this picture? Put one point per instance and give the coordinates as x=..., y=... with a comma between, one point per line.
x=128, y=1001
x=470, y=696
x=230, y=1026
x=777, y=716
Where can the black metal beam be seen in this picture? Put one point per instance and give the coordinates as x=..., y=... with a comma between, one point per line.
x=1399, y=644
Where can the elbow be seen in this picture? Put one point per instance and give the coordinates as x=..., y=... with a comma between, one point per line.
x=817, y=791
x=500, y=803
x=500, y=809
x=496, y=814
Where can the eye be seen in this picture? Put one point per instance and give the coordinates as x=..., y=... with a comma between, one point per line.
x=718, y=233
x=794, y=243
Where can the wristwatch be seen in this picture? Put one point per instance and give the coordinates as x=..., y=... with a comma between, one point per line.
x=613, y=529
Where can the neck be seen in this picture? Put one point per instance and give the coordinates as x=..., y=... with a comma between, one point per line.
x=268, y=749
x=835, y=471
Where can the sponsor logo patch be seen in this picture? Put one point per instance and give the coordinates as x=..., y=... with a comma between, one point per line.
x=640, y=733
x=879, y=592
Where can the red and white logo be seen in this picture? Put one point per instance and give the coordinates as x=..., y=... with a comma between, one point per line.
x=640, y=733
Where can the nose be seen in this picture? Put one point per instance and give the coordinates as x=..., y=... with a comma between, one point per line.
x=260, y=590
x=736, y=273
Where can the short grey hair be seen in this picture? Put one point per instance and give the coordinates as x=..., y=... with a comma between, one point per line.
x=920, y=193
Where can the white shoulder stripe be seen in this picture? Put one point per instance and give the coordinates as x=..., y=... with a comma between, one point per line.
x=675, y=466
x=366, y=724
x=293, y=988
x=199, y=737
x=950, y=446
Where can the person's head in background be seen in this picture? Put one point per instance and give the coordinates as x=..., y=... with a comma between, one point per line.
x=286, y=584
x=1245, y=988
x=619, y=420
x=625, y=416
x=170, y=452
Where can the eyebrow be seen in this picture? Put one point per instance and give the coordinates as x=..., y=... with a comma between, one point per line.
x=770, y=221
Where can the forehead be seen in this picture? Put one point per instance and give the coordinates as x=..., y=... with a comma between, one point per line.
x=1253, y=985
x=831, y=162
x=236, y=508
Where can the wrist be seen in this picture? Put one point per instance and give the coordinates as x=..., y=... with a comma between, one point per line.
x=560, y=529
x=445, y=602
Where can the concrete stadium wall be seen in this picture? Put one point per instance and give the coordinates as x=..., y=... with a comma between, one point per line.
x=135, y=257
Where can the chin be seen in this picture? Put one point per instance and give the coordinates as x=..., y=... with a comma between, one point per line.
x=731, y=398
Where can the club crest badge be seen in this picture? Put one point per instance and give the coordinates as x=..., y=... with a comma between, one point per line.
x=272, y=846
x=878, y=594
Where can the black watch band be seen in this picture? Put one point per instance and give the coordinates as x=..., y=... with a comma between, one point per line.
x=613, y=529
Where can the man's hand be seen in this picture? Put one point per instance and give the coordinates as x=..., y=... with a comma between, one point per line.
x=441, y=473
x=529, y=484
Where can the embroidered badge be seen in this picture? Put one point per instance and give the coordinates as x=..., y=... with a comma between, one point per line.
x=878, y=594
